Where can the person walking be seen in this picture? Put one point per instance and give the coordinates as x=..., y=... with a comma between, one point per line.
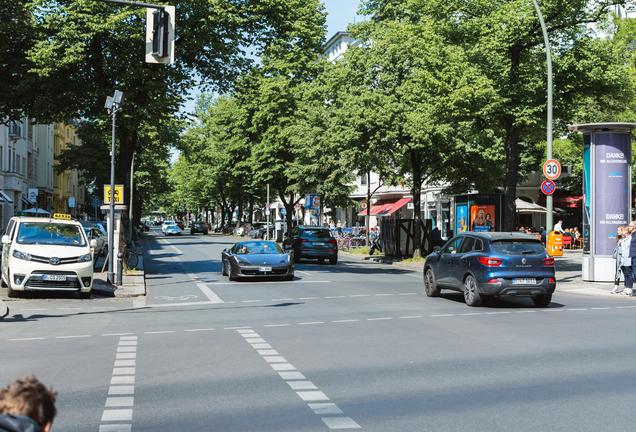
x=628, y=250
x=559, y=227
x=618, y=256
x=27, y=405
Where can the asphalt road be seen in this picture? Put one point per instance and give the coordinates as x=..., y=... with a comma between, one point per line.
x=352, y=346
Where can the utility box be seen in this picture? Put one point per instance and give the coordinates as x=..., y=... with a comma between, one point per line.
x=555, y=243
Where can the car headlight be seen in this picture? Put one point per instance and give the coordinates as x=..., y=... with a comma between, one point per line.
x=288, y=257
x=240, y=260
x=85, y=258
x=21, y=255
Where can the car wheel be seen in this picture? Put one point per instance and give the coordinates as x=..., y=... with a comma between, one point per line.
x=84, y=295
x=10, y=291
x=230, y=273
x=542, y=300
x=3, y=284
x=429, y=284
x=289, y=277
x=333, y=261
x=471, y=293
x=223, y=271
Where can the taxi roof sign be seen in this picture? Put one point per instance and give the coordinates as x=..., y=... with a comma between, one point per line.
x=62, y=216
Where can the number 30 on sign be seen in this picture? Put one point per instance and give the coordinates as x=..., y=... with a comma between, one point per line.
x=552, y=169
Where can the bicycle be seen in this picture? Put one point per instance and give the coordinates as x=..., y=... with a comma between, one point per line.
x=131, y=259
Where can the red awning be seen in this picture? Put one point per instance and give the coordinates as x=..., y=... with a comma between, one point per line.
x=385, y=207
x=563, y=199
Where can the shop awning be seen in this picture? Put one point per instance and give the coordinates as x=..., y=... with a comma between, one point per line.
x=25, y=201
x=385, y=207
x=6, y=197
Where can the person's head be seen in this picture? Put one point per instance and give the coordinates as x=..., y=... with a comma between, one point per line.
x=567, y=230
x=244, y=249
x=488, y=217
x=29, y=397
x=521, y=228
x=560, y=221
x=542, y=229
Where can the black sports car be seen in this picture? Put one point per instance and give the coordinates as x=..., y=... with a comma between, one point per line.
x=257, y=259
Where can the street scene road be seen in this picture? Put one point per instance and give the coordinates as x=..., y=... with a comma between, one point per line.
x=353, y=346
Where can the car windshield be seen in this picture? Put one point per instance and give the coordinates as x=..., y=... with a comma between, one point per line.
x=169, y=222
x=252, y=248
x=517, y=247
x=50, y=233
x=316, y=233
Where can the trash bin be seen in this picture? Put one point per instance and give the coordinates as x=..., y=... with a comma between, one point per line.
x=555, y=243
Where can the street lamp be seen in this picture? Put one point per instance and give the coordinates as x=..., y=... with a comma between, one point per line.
x=113, y=104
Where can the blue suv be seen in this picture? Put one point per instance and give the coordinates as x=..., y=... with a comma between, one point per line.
x=492, y=264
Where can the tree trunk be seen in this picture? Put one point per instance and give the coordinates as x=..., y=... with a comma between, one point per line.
x=510, y=179
x=239, y=213
x=416, y=191
x=368, y=221
x=251, y=216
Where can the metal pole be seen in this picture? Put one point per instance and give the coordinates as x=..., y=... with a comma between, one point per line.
x=548, y=201
x=111, y=231
x=130, y=210
x=267, y=211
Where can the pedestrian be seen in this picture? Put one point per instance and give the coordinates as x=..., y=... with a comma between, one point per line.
x=339, y=225
x=618, y=255
x=559, y=227
x=628, y=250
x=544, y=235
x=26, y=405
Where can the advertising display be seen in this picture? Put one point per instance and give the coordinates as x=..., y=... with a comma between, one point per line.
x=462, y=219
x=481, y=218
x=612, y=160
x=587, y=199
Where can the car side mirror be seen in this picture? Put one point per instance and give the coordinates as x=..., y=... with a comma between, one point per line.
x=93, y=243
x=6, y=239
x=436, y=249
x=224, y=250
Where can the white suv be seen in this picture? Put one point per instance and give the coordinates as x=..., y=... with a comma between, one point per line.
x=166, y=224
x=42, y=254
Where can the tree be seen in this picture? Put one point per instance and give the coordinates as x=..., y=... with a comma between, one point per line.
x=512, y=57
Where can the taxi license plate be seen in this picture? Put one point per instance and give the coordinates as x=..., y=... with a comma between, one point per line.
x=524, y=281
x=264, y=269
x=57, y=278
x=318, y=243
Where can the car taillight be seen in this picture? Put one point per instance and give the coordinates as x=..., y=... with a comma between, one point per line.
x=493, y=281
x=552, y=280
x=491, y=262
x=332, y=241
x=548, y=261
x=302, y=240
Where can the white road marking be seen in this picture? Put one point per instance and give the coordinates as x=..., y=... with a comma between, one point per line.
x=272, y=282
x=442, y=315
x=291, y=375
x=309, y=298
x=378, y=319
x=199, y=330
x=526, y=311
x=176, y=249
x=302, y=272
x=310, y=323
x=116, y=334
x=32, y=310
x=407, y=294
x=209, y=294
x=282, y=367
x=624, y=307
x=581, y=309
x=70, y=337
x=256, y=340
x=470, y=314
x=312, y=395
x=115, y=428
x=126, y=379
x=302, y=385
x=496, y=313
x=340, y=423
x=121, y=390
x=117, y=415
x=123, y=373
x=251, y=301
x=325, y=408
x=412, y=316
x=332, y=297
x=345, y=321
x=380, y=295
x=267, y=352
x=360, y=295
x=288, y=299
x=275, y=359
x=121, y=356
x=193, y=276
x=120, y=401
x=601, y=308
x=160, y=332
x=276, y=325
x=27, y=339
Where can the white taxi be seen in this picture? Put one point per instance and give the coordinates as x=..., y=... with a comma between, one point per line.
x=46, y=254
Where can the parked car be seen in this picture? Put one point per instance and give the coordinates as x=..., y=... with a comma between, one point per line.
x=257, y=258
x=100, y=238
x=262, y=230
x=47, y=254
x=199, y=226
x=241, y=230
x=312, y=242
x=492, y=264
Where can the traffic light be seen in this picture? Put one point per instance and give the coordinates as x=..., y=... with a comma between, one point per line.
x=160, y=32
x=160, y=28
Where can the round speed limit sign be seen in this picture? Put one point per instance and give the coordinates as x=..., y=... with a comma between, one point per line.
x=552, y=169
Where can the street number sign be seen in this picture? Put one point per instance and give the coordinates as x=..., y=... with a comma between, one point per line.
x=552, y=169
x=119, y=194
x=548, y=187
x=364, y=206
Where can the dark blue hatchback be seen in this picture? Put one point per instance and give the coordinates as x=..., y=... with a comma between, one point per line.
x=492, y=264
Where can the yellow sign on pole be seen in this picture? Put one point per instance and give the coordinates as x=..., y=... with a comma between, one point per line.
x=119, y=194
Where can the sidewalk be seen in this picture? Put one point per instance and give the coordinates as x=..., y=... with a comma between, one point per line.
x=569, y=273
x=133, y=284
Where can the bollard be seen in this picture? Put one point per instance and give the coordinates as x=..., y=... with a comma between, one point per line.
x=120, y=265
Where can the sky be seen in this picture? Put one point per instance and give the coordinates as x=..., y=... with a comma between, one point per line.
x=340, y=14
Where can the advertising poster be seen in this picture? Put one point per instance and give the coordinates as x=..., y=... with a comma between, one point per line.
x=612, y=157
x=481, y=218
x=587, y=202
x=312, y=205
x=462, y=219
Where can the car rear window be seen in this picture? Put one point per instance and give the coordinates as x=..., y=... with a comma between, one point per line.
x=50, y=233
x=517, y=247
x=316, y=233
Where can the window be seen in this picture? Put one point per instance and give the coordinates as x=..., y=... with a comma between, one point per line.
x=66, y=133
x=452, y=246
x=363, y=179
x=468, y=245
x=517, y=247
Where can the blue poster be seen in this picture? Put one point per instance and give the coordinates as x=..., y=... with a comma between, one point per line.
x=462, y=219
